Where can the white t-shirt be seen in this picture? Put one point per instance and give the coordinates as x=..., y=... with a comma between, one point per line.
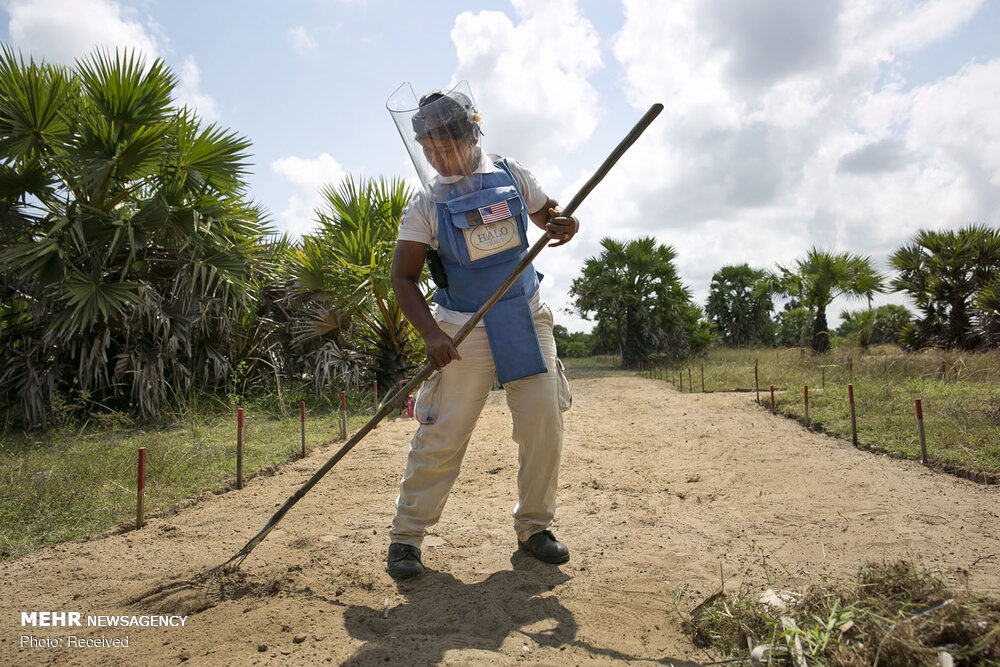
x=419, y=223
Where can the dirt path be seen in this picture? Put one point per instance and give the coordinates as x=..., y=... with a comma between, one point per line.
x=658, y=490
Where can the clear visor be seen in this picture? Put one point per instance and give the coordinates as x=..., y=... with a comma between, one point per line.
x=442, y=136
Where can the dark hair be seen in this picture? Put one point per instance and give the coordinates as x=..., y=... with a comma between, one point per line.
x=446, y=114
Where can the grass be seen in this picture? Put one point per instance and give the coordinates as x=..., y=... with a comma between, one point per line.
x=961, y=414
x=78, y=480
x=891, y=614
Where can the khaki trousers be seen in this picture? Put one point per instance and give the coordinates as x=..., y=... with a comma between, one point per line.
x=448, y=405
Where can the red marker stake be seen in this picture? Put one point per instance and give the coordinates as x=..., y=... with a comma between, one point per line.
x=409, y=406
x=140, y=487
x=854, y=423
x=239, y=448
x=343, y=415
x=920, y=432
x=302, y=411
x=944, y=372
x=805, y=401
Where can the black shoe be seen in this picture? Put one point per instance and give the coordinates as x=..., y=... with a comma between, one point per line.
x=403, y=561
x=545, y=547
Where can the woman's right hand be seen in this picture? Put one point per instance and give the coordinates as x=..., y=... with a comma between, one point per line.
x=440, y=351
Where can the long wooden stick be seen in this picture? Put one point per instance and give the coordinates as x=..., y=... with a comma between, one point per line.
x=424, y=372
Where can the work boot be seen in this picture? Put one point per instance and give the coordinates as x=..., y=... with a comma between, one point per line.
x=403, y=561
x=545, y=547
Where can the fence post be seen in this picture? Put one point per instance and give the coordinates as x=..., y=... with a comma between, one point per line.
x=920, y=432
x=854, y=423
x=690, y=386
x=140, y=488
x=239, y=448
x=756, y=383
x=302, y=412
x=772, y=398
x=703, y=377
x=343, y=415
x=805, y=401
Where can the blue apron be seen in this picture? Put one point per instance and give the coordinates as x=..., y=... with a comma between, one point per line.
x=481, y=238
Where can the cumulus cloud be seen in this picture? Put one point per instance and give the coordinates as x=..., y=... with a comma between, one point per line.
x=189, y=92
x=303, y=43
x=530, y=77
x=61, y=32
x=308, y=175
x=796, y=124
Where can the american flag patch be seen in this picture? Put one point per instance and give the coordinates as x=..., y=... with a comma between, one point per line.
x=495, y=212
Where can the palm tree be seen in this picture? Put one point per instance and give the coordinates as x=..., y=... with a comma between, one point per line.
x=740, y=312
x=943, y=271
x=634, y=288
x=127, y=270
x=345, y=263
x=818, y=279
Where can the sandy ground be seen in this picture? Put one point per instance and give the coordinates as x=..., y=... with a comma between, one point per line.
x=659, y=492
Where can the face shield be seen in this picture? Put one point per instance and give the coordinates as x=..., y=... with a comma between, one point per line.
x=442, y=135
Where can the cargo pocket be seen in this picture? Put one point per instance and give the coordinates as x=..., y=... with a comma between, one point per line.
x=428, y=402
x=565, y=395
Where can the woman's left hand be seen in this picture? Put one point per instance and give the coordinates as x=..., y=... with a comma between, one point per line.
x=560, y=228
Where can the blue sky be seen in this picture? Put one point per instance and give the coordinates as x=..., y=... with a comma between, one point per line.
x=845, y=124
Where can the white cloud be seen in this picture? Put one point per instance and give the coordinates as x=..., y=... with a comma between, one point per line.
x=188, y=91
x=308, y=175
x=765, y=149
x=530, y=78
x=303, y=43
x=61, y=31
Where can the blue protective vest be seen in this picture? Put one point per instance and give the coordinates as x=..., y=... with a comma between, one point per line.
x=481, y=238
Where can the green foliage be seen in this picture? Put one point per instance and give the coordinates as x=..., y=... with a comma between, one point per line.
x=819, y=278
x=343, y=269
x=789, y=325
x=874, y=327
x=571, y=345
x=634, y=292
x=130, y=255
x=945, y=272
x=740, y=310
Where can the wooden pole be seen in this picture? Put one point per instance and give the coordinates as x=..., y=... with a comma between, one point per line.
x=756, y=383
x=703, y=378
x=239, y=448
x=805, y=401
x=690, y=386
x=772, y=398
x=850, y=369
x=302, y=412
x=343, y=415
x=140, y=487
x=854, y=423
x=920, y=432
x=374, y=396
x=823, y=371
